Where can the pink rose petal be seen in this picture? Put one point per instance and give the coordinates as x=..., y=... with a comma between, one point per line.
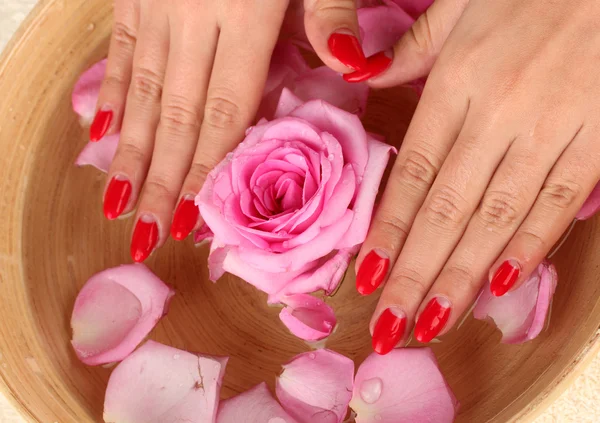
x=316, y=387
x=379, y=155
x=86, y=91
x=99, y=154
x=591, y=205
x=203, y=234
x=326, y=276
x=382, y=26
x=405, y=385
x=160, y=384
x=520, y=314
x=325, y=84
x=288, y=102
x=256, y=405
x=344, y=126
x=415, y=8
x=307, y=317
x=114, y=312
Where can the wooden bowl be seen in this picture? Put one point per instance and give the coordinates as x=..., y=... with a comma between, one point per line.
x=53, y=237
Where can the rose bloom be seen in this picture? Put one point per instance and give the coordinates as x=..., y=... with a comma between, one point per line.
x=292, y=204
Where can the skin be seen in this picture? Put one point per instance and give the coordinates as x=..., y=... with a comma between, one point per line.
x=502, y=150
x=498, y=159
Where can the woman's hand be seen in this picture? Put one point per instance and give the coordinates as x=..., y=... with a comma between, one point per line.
x=501, y=153
x=183, y=82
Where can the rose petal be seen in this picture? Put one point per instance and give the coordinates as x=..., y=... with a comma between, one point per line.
x=520, y=314
x=591, y=205
x=158, y=383
x=326, y=276
x=415, y=8
x=379, y=155
x=316, y=387
x=325, y=84
x=86, y=91
x=294, y=259
x=288, y=102
x=203, y=234
x=115, y=310
x=344, y=126
x=230, y=259
x=307, y=317
x=382, y=26
x=405, y=385
x=256, y=405
x=99, y=154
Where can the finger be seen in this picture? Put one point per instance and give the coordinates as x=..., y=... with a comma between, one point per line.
x=191, y=55
x=130, y=164
x=443, y=217
x=432, y=132
x=564, y=192
x=416, y=52
x=332, y=29
x=505, y=205
x=111, y=100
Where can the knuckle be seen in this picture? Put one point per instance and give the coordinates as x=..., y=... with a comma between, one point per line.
x=443, y=210
x=157, y=186
x=114, y=80
x=179, y=116
x=532, y=240
x=497, y=210
x=460, y=277
x=340, y=7
x=417, y=170
x=409, y=283
x=198, y=173
x=129, y=152
x=560, y=194
x=221, y=113
x=392, y=226
x=124, y=36
x=422, y=34
x=146, y=85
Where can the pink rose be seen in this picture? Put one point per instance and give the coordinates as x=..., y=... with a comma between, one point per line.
x=289, y=207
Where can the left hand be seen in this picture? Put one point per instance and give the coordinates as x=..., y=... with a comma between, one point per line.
x=501, y=153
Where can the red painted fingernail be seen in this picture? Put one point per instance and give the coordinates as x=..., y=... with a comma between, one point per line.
x=116, y=197
x=185, y=219
x=347, y=49
x=433, y=319
x=388, y=330
x=100, y=124
x=372, y=272
x=505, y=277
x=145, y=237
x=376, y=64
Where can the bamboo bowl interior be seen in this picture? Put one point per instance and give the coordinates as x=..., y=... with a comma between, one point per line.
x=53, y=237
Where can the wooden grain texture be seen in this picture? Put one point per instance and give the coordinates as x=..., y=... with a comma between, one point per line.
x=53, y=237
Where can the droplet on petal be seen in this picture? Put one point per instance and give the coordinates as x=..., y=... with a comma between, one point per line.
x=256, y=405
x=114, y=312
x=405, y=385
x=307, y=317
x=151, y=386
x=317, y=389
x=520, y=314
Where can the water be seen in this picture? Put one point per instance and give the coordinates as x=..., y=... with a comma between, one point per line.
x=370, y=390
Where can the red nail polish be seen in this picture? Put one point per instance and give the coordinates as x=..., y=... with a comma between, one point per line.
x=116, y=197
x=145, y=237
x=432, y=320
x=388, y=331
x=505, y=277
x=376, y=64
x=371, y=273
x=347, y=49
x=100, y=124
x=185, y=219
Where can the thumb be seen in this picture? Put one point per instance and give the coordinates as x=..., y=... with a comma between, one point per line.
x=417, y=50
x=332, y=29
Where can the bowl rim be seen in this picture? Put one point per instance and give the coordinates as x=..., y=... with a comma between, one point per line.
x=527, y=415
